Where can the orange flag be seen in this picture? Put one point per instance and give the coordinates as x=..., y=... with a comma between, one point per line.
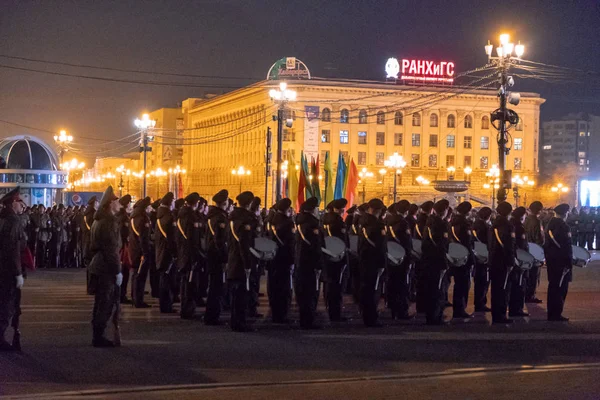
x=352, y=183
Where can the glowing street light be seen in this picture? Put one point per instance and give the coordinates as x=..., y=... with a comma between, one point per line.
x=396, y=163
x=144, y=124
x=241, y=172
x=364, y=174
x=559, y=189
x=451, y=170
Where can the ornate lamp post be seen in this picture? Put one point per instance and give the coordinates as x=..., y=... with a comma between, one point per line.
x=145, y=125
x=364, y=174
x=396, y=163
x=281, y=97
x=241, y=172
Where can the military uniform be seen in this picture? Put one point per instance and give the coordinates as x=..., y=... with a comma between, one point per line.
x=481, y=278
x=559, y=259
x=573, y=223
x=86, y=229
x=258, y=266
x=166, y=251
x=418, y=233
x=239, y=261
x=126, y=265
x=461, y=233
x=217, y=253
x=279, y=284
x=518, y=277
x=502, y=255
x=140, y=250
x=188, y=256
x=534, y=232
x=309, y=262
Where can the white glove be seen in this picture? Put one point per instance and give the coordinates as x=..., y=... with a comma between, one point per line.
x=119, y=279
x=20, y=281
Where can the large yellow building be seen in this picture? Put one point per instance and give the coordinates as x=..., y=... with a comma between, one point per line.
x=433, y=128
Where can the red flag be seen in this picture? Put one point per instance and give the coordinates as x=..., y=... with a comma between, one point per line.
x=301, y=188
x=352, y=183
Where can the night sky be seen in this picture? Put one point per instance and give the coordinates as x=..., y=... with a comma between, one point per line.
x=234, y=38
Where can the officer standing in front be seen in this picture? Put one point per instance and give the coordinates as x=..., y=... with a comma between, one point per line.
x=535, y=234
x=559, y=258
x=502, y=255
x=335, y=271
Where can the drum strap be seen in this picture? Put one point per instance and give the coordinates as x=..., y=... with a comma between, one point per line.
x=134, y=230
x=454, y=234
x=419, y=231
x=161, y=228
x=328, y=230
x=431, y=236
x=354, y=229
x=233, y=231
x=302, y=235
x=276, y=235
x=86, y=224
x=553, y=239
x=181, y=230
x=394, y=234
x=211, y=228
x=364, y=231
x=498, y=237
x=475, y=234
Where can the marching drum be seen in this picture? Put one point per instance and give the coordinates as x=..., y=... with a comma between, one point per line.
x=354, y=244
x=458, y=255
x=581, y=257
x=335, y=248
x=481, y=252
x=537, y=252
x=264, y=249
x=526, y=260
x=417, y=248
x=395, y=253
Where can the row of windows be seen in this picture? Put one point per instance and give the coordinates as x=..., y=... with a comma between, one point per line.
x=484, y=141
x=415, y=160
x=416, y=119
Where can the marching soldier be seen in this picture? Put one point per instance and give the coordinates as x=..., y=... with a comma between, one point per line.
x=202, y=274
x=559, y=258
x=435, y=263
x=519, y=281
x=372, y=250
x=257, y=265
x=166, y=251
x=154, y=274
x=411, y=219
x=502, y=255
x=217, y=252
x=280, y=271
x=308, y=262
x=242, y=224
x=86, y=229
x=399, y=276
x=188, y=255
x=105, y=265
x=333, y=224
x=534, y=231
x=140, y=250
x=418, y=233
x=461, y=233
x=481, y=279
x=12, y=242
x=123, y=219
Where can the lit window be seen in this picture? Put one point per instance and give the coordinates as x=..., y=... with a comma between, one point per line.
x=485, y=122
x=433, y=140
x=416, y=139
x=362, y=137
x=450, y=141
x=468, y=122
x=483, y=163
x=433, y=120
x=325, y=136
x=467, y=142
x=518, y=144
x=581, y=133
x=581, y=161
x=380, y=118
x=397, y=139
x=433, y=161
x=485, y=142
x=362, y=158
x=547, y=147
x=326, y=115
x=416, y=119
x=518, y=162
x=344, y=137
x=344, y=116
x=451, y=121
x=362, y=117
x=379, y=158
x=380, y=139
x=415, y=160
x=398, y=120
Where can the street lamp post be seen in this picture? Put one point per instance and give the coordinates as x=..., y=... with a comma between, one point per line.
x=559, y=189
x=364, y=174
x=62, y=140
x=503, y=60
x=241, y=172
x=396, y=163
x=451, y=170
x=493, y=175
x=145, y=124
x=520, y=182
x=281, y=96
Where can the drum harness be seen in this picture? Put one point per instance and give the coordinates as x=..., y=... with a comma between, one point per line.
x=346, y=264
x=443, y=272
x=502, y=245
x=162, y=231
x=136, y=233
x=379, y=270
x=237, y=239
x=410, y=265
x=566, y=270
x=317, y=272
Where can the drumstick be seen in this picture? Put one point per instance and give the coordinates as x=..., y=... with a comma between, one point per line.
x=342, y=273
x=318, y=276
x=379, y=273
x=247, y=279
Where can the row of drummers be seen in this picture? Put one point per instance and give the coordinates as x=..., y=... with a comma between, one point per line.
x=423, y=247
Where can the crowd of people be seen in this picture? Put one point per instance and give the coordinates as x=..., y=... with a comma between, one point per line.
x=201, y=255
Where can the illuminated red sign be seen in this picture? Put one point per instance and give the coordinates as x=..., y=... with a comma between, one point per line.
x=427, y=71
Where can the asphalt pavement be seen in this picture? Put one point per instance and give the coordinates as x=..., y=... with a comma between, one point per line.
x=166, y=357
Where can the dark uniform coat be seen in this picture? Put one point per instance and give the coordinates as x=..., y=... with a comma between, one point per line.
x=164, y=238
x=105, y=244
x=241, y=238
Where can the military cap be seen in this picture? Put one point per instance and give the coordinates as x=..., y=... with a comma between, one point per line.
x=363, y=207
x=504, y=208
x=338, y=204
x=244, y=199
x=61, y=206
x=427, y=207
x=255, y=204
x=221, y=197
x=376, y=204
x=562, y=209
x=464, y=207
x=402, y=206
x=156, y=204
x=412, y=210
x=92, y=201
x=283, y=205
x=125, y=200
x=310, y=204
x=484, y=213
x=519, y=212
x=12, y=196
x=441, y=206
x=167, y=199
x=202, y=201
x=143, y=203
x=536, y=207
x=108, y=197
x=179, y=203
x=192, y=198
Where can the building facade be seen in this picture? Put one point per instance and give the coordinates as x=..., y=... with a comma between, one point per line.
x=433, y=128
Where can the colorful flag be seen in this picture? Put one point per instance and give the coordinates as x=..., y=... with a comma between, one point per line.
x=301, y=184
x=307, y=173
x=340, y=178
x=328, y=191
x=352, y=183
x=292, y=184
x=316, y=189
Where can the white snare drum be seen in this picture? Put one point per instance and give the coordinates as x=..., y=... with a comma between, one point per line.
x=537, y=252
x=395, y=252
x=335, y=248
x=354, y=244
x=581, y=257
x=264, y=249
x=526, y=260
x=458, y=255
x=481, y=252
x=417, y=248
